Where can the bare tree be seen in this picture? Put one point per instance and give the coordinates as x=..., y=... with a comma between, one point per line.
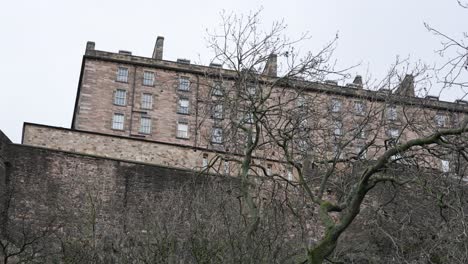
x=332, y=146
x=454, y=49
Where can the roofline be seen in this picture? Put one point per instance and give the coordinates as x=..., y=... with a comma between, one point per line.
x=78, y=91
x=306, y=85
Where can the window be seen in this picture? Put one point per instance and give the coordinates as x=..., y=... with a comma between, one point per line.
x=445, y=166
x=251, y=89
x=120, y=97
x=335, y=105
x=146, y=101
x=184, y=84
x=217, y=89
x=226, y=167
x=145, y=125
x=205, y=161
x=122, y=74
x=302, y=145
x=360, y=132
x=303, y=125
x=337, y=128
x=218, y=111
x=360, y=149
x=148, y=78
x=268, y=169
x=397, y=157
x=440, y=120
x=118, y=121
x=336, y=150
x=183, y=106
x=300, y=101
x=392, y=112
x=290, y=173
x=182, y=130
x=393, y=133
x=217, y=135
x=359, y=108
x=249, y=118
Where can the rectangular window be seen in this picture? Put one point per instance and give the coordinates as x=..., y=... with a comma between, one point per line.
x=183, y=107
x=249, y=118
x=290, y=173
x=397, y=158
x=300, y=101
x=251, y=89
x=336, y=149
x=303, y=125
x=182, y=130
x=217, y=135
x=118, y=121
x=120, y=97
x=336, y=105
x=184, y=84
x=359, y=108
x=302, y=145
x=145, y=125
x=205, y=161
x=218, y=111
x=226, y=167
x=440, y=120
x=148, y=78
x=122, y=74
x=392, y=112
x=360, y=131
x=445, y=166
x=337, y=128
x=146, y=101
x=217, y=89
x=360, y=150
x=393, y=133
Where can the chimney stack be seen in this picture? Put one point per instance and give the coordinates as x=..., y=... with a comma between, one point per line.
x=271, y=68
x=90, y=45
x=358, y=81
x=158, y=48
x=406, y=87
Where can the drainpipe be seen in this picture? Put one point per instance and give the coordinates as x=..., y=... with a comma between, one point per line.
x=196, y=111
x=133, y=100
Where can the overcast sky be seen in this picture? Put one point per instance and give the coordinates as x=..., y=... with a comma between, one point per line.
x=42, y=42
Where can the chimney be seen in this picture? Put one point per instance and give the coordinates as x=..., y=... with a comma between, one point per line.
x=90, y=45
x=216, y=65
x=183, y=61
x=358, y=81
x=406, y=87
x=125, y=52
x=271, y=68
x=158, y=48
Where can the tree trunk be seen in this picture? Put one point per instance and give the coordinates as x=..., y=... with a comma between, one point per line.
x=318, y=254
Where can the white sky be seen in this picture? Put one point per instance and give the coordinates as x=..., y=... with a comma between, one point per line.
x=42, y=42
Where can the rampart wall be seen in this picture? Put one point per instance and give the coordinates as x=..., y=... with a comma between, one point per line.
x=53, y=187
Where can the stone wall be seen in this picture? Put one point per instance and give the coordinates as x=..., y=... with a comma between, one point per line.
x=131, y=149
x=4, y=142
x=65, y=189
x=112, y=146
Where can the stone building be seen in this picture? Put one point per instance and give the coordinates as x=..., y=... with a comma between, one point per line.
x=172, y=112
x=145, y=125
